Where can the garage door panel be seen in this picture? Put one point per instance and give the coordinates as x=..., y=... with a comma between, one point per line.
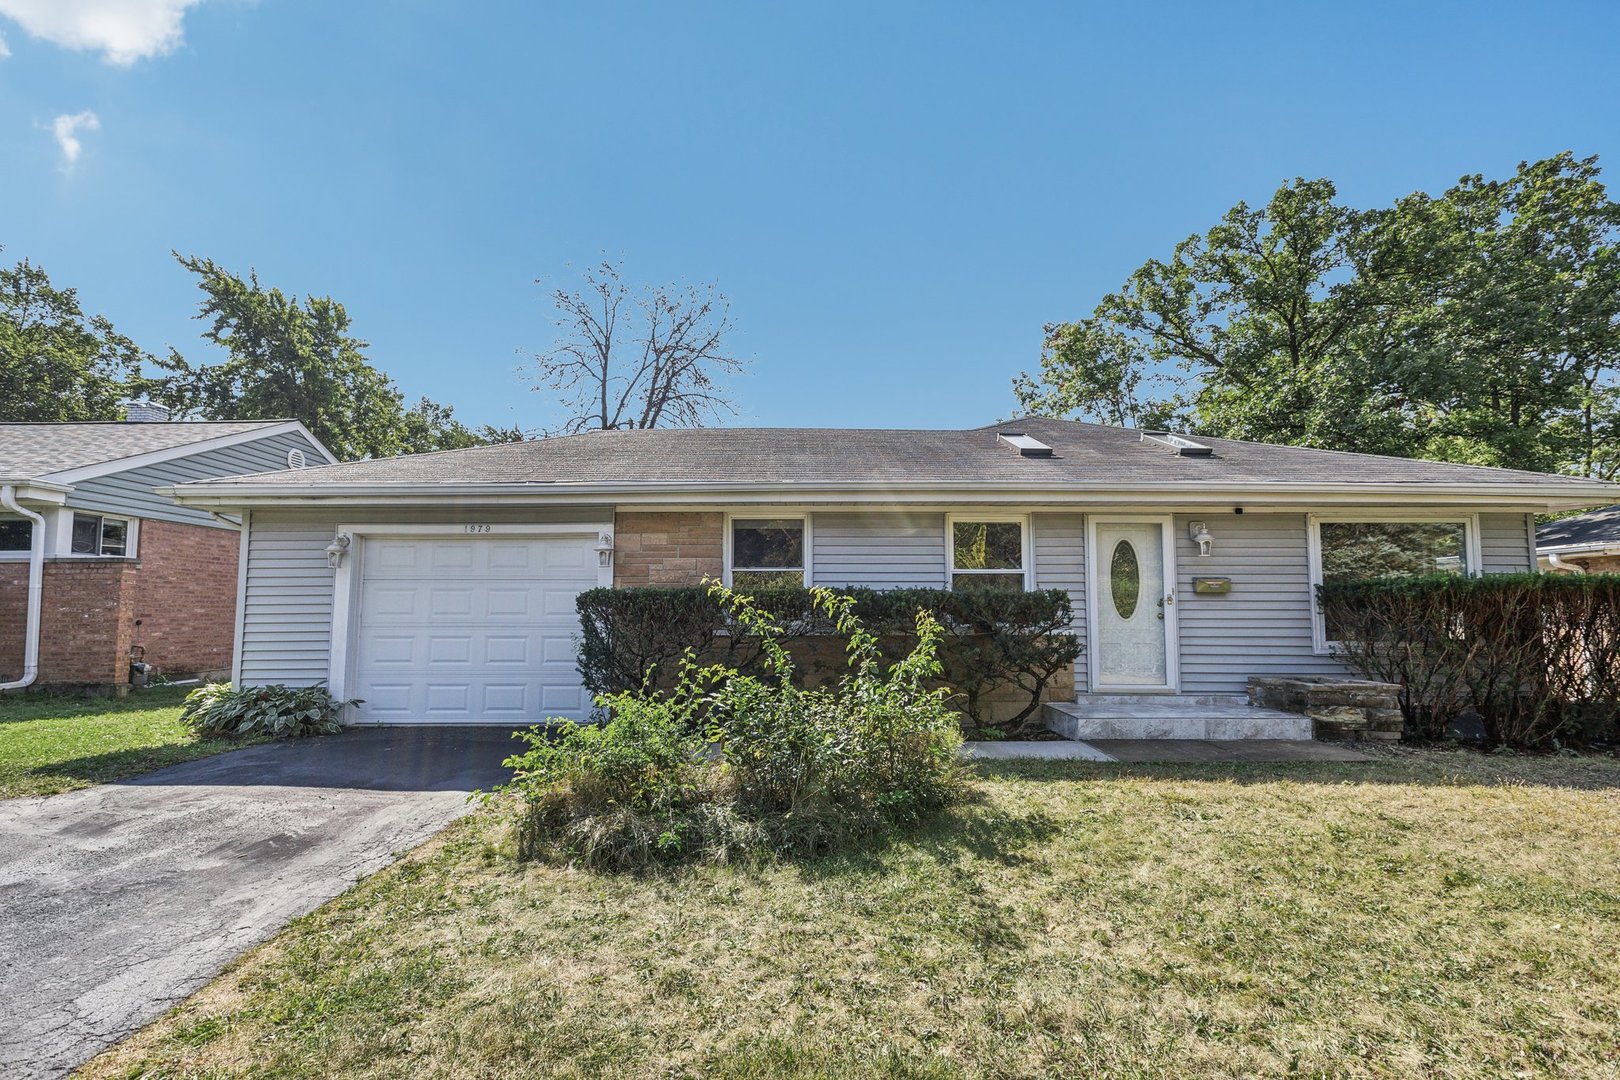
x=471, y=630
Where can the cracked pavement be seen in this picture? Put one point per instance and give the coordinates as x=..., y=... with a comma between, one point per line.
x=119, y=901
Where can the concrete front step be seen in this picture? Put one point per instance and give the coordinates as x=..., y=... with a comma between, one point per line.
x=1218, y=718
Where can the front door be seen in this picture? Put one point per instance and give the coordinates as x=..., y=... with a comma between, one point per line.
x=1133, y=623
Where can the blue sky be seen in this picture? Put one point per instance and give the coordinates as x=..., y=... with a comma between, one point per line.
x=896, y=196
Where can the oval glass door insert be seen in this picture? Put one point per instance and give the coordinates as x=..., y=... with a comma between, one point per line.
x=1125, y=579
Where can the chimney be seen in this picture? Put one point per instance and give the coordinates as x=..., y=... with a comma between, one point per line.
x=146, y=412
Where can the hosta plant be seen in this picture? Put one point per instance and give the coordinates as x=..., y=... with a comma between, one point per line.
x=279, y=712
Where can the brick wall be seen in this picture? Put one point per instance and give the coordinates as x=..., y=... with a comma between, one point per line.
x=86, y=622
x=13, y=616
x=678, y=548
x=178, y=599
x=185, y=597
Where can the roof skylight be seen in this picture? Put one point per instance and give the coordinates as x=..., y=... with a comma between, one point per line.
x=1024, y=444
x=1178, y=443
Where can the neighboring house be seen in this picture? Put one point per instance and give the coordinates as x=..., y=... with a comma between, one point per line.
x=441, y=587
x=1586, y=543
x=97, y=568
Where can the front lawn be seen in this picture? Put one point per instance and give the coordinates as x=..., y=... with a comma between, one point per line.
x=1431, y=913
x=51, y=743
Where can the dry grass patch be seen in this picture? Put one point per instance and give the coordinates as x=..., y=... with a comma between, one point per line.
x=1427, y=914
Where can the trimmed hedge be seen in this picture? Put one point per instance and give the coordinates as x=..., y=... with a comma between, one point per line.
x=1535, y=656
x=993, y=641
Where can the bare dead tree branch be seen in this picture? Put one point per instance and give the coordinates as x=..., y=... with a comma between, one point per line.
x=645, y=360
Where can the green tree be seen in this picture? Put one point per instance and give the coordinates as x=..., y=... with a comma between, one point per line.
x=1480, y=326
x=56, y=363
x=287, y=357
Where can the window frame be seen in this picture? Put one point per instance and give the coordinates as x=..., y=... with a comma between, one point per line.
x=18, y=554
x=131, y=535
x=1026, y=547
x=766, y=514
x=1472, y=558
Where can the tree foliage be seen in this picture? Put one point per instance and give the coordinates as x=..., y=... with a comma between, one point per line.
x=56, y=363
x=638, y=360
x=1480, y=326
x=287, y=357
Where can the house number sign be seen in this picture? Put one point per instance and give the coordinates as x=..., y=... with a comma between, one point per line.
x=477, y=528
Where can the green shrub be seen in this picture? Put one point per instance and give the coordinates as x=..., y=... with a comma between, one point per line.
x=281, y=712
x=989, y=642
x=1535, y=656
x=727, y=764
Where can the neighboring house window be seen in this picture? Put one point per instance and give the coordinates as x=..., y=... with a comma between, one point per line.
x=96, y=535
x=15, y=534
x=1355, y=550
x=767, y=552
x=989, y=553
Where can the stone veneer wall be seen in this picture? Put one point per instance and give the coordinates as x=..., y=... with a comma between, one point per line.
x=1340, y=709
x=676, y=548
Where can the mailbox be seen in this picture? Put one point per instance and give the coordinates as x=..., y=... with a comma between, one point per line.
x=1212, y=586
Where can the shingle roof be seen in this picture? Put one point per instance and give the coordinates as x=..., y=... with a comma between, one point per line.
x=31, y=451
x=1082, y=452
x=1600, y=527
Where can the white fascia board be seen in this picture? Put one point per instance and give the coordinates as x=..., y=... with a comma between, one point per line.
x=156, y=457
x=38, y=491
x=1592, y=547
x=1526, y=496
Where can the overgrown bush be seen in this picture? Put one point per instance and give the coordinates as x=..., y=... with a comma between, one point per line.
x=727, y=764
x=281, y=712
x=1535, y=656
x=990, y=642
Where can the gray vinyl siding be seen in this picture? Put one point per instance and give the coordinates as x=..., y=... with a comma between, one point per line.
x=1263, y=626
x=132, y=492
x=287, y=603
x=288, y=598
x=1507, y=543
x=878, y=551
x=1060, y=563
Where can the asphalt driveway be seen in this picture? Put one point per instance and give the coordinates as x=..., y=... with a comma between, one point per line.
x=116, y=902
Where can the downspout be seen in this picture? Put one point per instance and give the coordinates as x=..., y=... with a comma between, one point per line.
x=36, y=587
x=1556, y=561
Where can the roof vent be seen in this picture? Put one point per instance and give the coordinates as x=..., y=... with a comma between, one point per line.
x=146, y=412
x=1179, y=443
x=295, y=459
x=1024, y=444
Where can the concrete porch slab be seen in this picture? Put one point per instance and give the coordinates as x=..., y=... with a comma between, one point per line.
x=1053, y=750
x=1192, y=751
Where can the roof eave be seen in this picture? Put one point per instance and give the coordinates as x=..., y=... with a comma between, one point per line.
x=1564, y=495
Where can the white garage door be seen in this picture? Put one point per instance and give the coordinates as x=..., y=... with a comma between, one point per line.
x=457, y=630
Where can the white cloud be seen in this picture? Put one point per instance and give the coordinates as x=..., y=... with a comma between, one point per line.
x=123, y=31
x=5, y=50
x=66, y=129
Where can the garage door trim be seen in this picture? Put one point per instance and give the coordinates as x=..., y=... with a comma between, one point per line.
x=347, y=583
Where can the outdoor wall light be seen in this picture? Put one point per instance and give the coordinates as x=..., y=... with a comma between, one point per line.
x=604, y=548
x=335, y=551
x=1200, y=534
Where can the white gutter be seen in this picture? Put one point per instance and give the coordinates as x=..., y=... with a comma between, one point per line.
x=36, y=587
x=228, y=495
x=1555, y=561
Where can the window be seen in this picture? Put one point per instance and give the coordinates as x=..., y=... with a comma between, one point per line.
x=95, y=535
x=767, y=552
x=987, y=554
x=1357, y=550
x=15, y=534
